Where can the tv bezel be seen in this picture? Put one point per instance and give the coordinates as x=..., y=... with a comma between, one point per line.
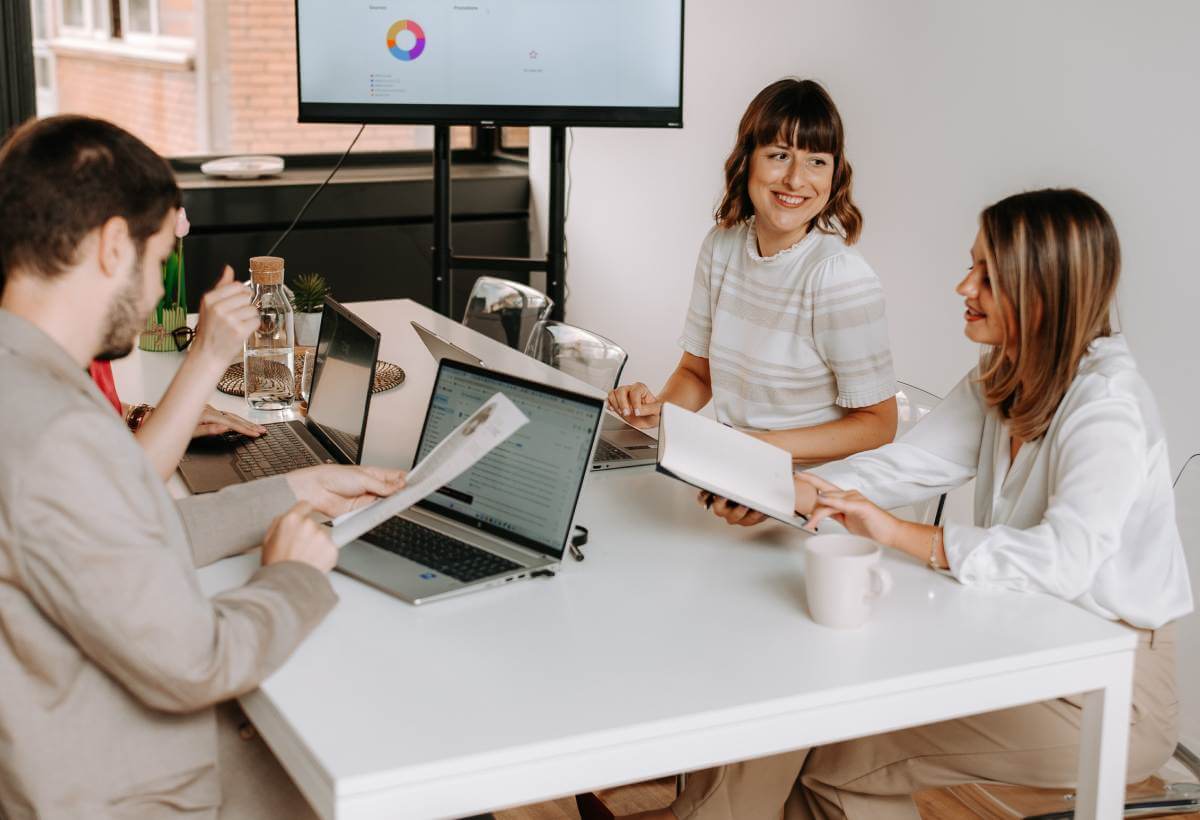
x=491, y=115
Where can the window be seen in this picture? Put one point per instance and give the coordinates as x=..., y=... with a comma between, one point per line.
x=43, y=60
x=74, y=14
x=139, y=17
x=191, y=80
x=514, y=138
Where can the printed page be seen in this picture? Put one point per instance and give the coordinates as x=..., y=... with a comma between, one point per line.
x=496, y=420
x=728, y=462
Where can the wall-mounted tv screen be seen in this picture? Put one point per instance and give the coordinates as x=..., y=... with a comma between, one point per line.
x=519, y=62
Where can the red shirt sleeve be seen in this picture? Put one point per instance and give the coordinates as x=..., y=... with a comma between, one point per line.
x=102, y=375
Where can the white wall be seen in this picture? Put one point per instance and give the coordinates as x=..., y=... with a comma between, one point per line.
x=948, y=106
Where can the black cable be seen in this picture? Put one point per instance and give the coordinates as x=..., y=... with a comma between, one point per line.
x=320, y=188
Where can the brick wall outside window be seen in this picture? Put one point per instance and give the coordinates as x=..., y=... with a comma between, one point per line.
x=254, y=111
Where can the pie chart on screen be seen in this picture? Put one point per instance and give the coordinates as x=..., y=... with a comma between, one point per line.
x=414, y=29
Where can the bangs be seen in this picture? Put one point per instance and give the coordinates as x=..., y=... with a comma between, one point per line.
x=803, y=121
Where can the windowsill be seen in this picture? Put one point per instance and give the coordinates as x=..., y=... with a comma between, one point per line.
x=170, y=54
x=399, y=193
x=190, y=179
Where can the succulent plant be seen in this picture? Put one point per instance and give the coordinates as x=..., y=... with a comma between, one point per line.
x=308, y=292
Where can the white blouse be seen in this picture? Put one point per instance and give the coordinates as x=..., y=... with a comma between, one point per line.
x=1086, y=512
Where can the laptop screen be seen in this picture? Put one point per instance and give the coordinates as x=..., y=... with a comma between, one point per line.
x=526, y=489
x=341, y=386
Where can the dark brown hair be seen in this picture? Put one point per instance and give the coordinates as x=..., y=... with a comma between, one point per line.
x=1053, y=258
x=800, y=113
x=63, y=177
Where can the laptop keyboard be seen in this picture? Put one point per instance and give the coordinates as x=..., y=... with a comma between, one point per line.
x=610, y=452
x=278, y=452
x=439, y=552
x=347, y=441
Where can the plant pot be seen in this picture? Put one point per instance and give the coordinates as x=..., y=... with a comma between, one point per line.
x=308, y=326
x=157, y=335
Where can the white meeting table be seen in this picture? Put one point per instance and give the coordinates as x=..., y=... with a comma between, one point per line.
x=679, y=643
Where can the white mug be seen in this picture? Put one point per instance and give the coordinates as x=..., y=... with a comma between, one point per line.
x=843, y=579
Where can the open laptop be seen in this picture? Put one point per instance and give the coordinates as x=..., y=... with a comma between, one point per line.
x=332, y=432
x=620, y=444
x=441, y=348
x=506, y=518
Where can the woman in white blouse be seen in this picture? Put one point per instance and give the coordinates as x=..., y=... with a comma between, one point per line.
x=1072, y=498
x=785, y=330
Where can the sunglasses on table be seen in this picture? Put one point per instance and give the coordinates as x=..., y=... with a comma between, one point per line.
x=183, y=336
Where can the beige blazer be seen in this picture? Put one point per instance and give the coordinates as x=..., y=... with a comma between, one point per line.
x=111, y=658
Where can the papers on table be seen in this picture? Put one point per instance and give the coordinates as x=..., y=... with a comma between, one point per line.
x=497, y=419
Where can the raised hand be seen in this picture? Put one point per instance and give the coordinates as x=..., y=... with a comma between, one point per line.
x=227, y=317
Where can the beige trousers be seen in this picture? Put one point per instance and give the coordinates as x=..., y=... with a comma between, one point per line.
x=254, y=786
x=873, y=777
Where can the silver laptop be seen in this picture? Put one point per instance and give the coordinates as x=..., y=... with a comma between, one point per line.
x=332, y=432
x=620, y=444
x=506, y=518
x=441, y=348
x=623, y=446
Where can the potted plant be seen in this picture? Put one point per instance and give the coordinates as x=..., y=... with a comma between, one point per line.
x=171, y=311
x=308, y=295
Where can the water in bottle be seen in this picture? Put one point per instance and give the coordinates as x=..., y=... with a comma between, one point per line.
x=269, y=360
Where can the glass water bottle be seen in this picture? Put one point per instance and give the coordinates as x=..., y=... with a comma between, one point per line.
x=269, y=359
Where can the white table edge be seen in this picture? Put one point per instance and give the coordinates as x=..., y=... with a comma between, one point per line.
x=544, y=771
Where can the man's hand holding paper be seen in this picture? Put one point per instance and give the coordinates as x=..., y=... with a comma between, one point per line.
x=495, y=420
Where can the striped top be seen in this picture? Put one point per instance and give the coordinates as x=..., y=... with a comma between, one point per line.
x=792, y=340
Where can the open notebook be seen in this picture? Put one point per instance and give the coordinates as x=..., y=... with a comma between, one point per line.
x=711, y=456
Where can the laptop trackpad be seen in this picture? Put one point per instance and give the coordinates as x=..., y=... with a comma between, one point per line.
x=393, y=573
x=633, y=440
x=207, y=466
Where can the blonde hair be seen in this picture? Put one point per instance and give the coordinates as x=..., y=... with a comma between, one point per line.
x=1053, y=259
x=799, y=113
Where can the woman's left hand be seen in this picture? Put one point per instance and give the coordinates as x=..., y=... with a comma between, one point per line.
x=213, y=422
x=851, y=509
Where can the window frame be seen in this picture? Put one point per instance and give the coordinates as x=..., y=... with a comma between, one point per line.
x=131, y=36
x=92, y=29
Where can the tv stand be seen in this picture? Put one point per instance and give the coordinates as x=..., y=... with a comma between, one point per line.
x=444, y=258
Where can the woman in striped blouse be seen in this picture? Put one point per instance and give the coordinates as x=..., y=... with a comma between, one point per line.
x=786, y=331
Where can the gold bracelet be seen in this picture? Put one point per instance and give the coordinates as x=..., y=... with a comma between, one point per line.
x=934, y=564
x=137, y=417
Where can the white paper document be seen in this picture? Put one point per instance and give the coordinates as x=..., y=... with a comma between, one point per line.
x=711, y=456
x=495, y=420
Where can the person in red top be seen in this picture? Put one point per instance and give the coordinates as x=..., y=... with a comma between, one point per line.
x=226, y=318
x=102, y=375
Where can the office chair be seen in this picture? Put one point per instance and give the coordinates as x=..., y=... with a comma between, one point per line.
x=912, y=404
x=577, y=352
x=505, y=310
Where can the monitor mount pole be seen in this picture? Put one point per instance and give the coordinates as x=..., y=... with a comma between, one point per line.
x=444, y=258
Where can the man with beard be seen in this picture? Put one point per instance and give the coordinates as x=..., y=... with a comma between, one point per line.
x=111, y=658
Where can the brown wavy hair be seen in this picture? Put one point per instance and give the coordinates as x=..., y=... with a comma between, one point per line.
x=1053, y=258
x=799, y=113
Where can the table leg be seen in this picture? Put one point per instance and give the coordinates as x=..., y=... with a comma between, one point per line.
x=1104, y=744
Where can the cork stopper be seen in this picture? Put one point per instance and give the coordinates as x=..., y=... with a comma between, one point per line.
x=266, y=270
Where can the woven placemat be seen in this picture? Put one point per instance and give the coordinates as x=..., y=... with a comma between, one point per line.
x=387, y=376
